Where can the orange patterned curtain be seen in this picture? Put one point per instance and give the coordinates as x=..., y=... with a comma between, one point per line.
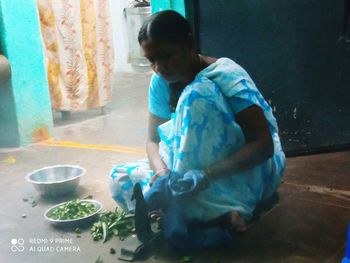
x=77, y=36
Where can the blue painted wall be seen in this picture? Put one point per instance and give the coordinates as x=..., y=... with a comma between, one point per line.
x=29, y=96
x=8, y=119
x=176, y=5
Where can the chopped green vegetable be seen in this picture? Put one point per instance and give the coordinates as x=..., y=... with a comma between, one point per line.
x=186, y=259
x=99, y=260
x=115, y=232
x=104, y=229
x=73, y=209
x=112, y=251
x=77, y=230
x=112, y=224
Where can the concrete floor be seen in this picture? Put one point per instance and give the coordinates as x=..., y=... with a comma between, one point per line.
x=308, y=224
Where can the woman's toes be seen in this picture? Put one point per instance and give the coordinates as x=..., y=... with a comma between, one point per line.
x=238, y=223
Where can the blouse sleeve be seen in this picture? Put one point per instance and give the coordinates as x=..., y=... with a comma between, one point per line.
x=158, y=97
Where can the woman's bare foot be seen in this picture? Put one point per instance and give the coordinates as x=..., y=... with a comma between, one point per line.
x=238, y=223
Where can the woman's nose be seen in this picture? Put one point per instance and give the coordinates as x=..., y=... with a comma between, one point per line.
x=159, y=67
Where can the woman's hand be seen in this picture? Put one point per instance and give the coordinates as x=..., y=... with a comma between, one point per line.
x=192, y=182
x=160, y=172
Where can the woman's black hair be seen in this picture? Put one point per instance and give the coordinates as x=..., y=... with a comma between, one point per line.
x=167, y=26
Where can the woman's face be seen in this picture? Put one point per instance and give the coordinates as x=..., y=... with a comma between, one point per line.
x=170, y=61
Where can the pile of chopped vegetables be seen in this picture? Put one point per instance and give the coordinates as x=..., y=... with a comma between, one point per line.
x=73, y=209
x=112, y=224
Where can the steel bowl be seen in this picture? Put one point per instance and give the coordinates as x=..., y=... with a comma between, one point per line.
x=57, y=180
x=76, y=221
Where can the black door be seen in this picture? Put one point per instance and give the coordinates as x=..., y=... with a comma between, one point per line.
x=298, y=55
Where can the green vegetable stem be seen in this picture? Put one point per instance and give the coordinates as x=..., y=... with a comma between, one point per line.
x=112, y=224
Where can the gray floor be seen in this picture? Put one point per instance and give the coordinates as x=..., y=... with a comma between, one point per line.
x=308, y=224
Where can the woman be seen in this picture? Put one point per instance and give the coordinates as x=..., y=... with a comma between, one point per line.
x=207, y=123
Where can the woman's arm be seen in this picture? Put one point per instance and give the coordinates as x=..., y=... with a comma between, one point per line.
x=258, y=147
x=152, y=147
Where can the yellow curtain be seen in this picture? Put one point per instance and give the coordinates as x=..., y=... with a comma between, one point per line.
x=77, y=36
